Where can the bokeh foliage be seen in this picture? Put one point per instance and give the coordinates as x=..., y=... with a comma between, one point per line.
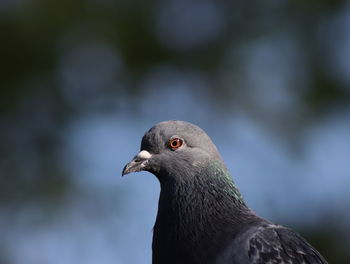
x=34, y=108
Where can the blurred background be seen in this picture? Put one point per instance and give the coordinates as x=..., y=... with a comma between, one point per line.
x=81, y=81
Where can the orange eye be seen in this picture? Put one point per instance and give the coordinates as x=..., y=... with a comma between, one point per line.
x=175, y=143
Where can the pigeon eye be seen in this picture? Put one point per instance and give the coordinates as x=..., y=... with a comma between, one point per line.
x=175, y=143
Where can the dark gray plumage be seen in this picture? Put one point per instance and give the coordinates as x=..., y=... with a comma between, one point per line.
x=202, y=217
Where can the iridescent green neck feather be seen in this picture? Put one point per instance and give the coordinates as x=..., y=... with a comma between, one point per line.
x=218, y=170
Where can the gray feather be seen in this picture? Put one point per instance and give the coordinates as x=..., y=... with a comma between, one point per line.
x=202, y=217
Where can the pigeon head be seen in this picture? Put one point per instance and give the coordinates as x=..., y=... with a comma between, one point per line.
x=174, y=149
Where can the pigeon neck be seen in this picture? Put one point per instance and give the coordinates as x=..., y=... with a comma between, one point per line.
x=217, y=172
x=204, y=194
x=204, y=206
x=212, y=182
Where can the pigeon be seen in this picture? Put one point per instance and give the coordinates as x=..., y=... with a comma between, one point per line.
x=202, y=217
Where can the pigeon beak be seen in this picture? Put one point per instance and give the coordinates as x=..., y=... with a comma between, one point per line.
x=138, y=163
